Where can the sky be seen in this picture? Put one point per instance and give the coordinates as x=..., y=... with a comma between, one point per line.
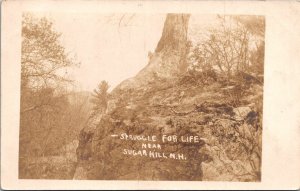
x=111, y=47
x=107, y=48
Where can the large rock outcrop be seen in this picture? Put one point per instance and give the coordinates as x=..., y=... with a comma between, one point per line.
x=162, y=100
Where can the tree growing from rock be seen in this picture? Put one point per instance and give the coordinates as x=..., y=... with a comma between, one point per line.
x=100, y=97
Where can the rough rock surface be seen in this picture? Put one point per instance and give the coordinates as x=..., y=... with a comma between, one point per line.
x=227, y=150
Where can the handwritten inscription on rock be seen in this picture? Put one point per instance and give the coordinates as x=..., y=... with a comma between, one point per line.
x=153, y=146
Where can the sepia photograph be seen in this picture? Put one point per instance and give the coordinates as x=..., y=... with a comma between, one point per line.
x=188, y=106
x=150, y=95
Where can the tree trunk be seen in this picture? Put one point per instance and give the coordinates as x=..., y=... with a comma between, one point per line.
x=174, y=38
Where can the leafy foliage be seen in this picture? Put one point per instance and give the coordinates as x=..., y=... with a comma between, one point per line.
x=44, y=59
